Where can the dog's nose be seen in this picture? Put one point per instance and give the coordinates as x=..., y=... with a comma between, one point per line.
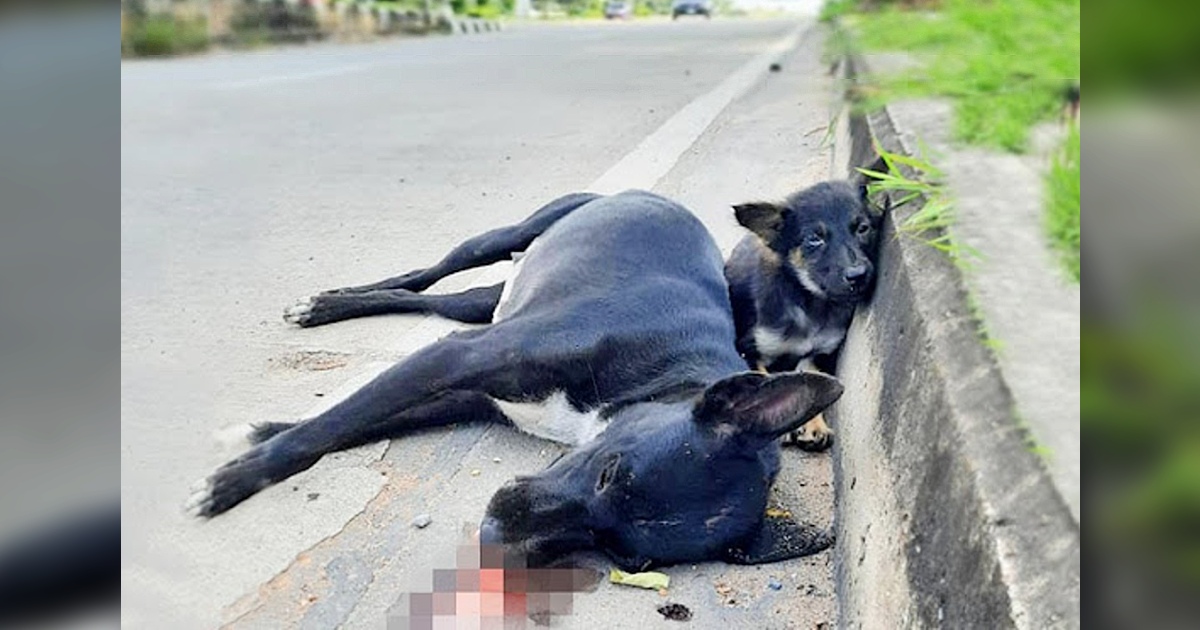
x=490, y=532
x=857, y=274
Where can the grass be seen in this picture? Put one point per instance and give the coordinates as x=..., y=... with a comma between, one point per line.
x=930, y=221
x=1031, y=443
x=1062, y=211
x=833, y=9
x=1139, y=406
x=1004, y=63
x=158, y=35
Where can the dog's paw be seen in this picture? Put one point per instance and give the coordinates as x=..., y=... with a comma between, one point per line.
x=199, y=500
x=300, y=313
x=814, y=436
x=228, y=486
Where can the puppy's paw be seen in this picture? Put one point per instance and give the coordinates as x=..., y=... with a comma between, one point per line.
x=814, y=436
x=300, y=313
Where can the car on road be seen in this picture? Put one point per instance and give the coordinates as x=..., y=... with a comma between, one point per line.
x=691, y=7
x=618, y=10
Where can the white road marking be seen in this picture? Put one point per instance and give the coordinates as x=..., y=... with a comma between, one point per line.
x=288, y=78
x=657, y=154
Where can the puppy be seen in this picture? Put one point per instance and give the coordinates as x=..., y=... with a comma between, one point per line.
x=796, y=279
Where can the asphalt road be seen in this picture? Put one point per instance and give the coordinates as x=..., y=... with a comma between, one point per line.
x=252, y=180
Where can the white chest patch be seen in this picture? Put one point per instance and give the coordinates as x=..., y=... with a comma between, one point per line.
x=827, y=340
x=554, y=419
x=772, y=343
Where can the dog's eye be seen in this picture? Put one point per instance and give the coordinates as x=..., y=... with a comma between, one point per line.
x=813, y=241
x=863, y=227
x=608, y=473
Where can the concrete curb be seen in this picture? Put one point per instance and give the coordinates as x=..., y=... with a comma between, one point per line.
x=464, y=26
x=945, y=518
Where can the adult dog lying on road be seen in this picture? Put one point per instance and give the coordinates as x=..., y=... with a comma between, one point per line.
x=616, y=335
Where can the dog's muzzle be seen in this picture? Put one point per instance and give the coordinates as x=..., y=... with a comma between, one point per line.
x=490, y=532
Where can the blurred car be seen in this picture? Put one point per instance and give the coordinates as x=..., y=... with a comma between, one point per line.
x=691, y=7
x=618, y=10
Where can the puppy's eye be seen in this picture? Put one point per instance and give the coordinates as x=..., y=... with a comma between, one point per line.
x=863, y=228
x=608, y=473
x=813, y=241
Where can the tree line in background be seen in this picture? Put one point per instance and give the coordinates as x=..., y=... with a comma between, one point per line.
x=168, y=27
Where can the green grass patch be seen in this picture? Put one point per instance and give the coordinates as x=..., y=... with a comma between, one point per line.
x=833, y=9
x=1139, y=411
x=906, y=179
x=1005, y=63
x=1062, y=211
x=158, y=35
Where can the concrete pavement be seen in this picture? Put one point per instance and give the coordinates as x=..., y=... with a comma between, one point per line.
x=251, y=180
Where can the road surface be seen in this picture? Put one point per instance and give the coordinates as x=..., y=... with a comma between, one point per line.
x=251, y=180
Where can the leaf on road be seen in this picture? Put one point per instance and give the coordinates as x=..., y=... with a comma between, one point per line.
x=652, y=580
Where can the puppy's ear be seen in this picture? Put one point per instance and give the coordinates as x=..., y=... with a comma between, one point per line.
x=762, y=218
x=861, y=182
x=759, y=407
x=884, y=207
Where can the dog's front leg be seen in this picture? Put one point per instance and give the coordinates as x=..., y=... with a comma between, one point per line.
x=815, y=435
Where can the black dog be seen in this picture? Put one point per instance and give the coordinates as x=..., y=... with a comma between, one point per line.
x=615, y=334
x=795, y=280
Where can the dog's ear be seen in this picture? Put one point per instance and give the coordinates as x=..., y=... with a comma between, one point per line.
x=760, y=407
x=763, y=218
x=862, y=181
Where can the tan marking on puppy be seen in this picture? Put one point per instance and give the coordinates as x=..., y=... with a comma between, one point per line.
x=815, y=435
x=799, y=265
x=796, y=257
x=767, y=255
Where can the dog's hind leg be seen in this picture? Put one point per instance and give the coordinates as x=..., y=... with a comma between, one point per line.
x=485, y=249
x=452, y=380
x=473, y=306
